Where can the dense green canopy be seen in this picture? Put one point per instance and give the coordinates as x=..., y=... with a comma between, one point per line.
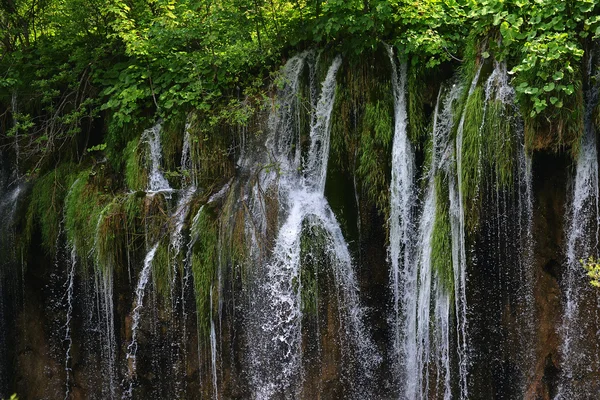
x=66, y=61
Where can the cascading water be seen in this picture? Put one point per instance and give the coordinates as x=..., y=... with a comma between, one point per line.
x=156, y=179
x=459, y=253
x=69, y=295
x=213, y=353
x=401, y=206
x=279, y=369
x=9, y=278
x=583, y=223
x=140, y=292
x=179, y=217
x=421, y=288
x=508, y=228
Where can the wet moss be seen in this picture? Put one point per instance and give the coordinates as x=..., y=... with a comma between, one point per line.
x=471, y=155
x=84, y=206
x=362, y=128
x=204, y=266
x=162, y=271
x=498, y=133
x=375, y=142
x=313, y=264
x=211, y=149
x=441, y=241
x=136, y=176
x=45, y=210
x=417, y=125
x=110, y=240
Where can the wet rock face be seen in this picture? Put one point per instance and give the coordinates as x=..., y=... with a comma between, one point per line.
x=514, y=337
x=550, y=188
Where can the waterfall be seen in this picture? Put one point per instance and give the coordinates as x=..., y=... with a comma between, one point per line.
x=15, y=110
x=510, y=230
x=156, y=179
x=140, y=292
x=582, y=225
x=213, y=352
x=9, y=278
x=459, y=254
x=179, y=216
x=401, y=202
x=279, y=363
x=315, y=171
x=421, y=288
x=70, y=288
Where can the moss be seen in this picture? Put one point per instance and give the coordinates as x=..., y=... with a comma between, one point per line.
x=84, y=207
x=117, y=138
x=161, y=269
x=557, y=129
x=172, y=133
x=110, y=236
x=313, y=264
x=417, y=127
x=471, y=153
x=136, y=176
x=362, y=127
x=204, y=266
x=45, y=210
x=211, y=153
x=499, y=142
x=235, y=244
x=156, y=218
x=375, y=143
x=441, y=241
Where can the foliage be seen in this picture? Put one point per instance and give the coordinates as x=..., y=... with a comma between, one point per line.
x=86, y=205
x=471, y=154
x=136, y=176
x=544, y=42
x=68, y=62
x=376, y=138
x=441, y=241
x=204, y=266
x=592, y=266
x=46, y=205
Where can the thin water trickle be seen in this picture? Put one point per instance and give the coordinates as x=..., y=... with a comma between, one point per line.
x=213, y=352
x=581, y=242
x=140, y=292
x=156, y=180
x=460, y=252
x=70, y=289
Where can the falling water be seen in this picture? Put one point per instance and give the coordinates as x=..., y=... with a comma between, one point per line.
x=582, y=241
x=303, y=195
x=213, y=352
x=156, y=179
x=9, y=282
x=140, y=292
x=286, y=144
x=179, y=216
x=509, y=225
x=15, y=110
x=68, y=338
x=459, y=254
x=315, y=171
x=418, y=279
x=402, y=198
